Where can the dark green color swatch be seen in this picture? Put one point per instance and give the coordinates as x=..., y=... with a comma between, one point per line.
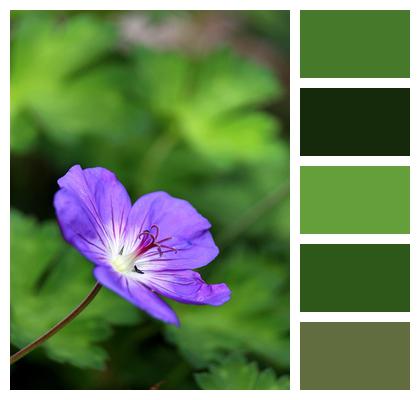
x=354, y=277
x=355, y=122
x=355, y=44
x=355, y=200
x=355, y=355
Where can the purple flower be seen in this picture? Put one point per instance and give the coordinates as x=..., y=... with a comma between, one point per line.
x=139, y=250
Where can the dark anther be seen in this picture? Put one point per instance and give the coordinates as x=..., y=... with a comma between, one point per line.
x=121, y=251
x=137, y=270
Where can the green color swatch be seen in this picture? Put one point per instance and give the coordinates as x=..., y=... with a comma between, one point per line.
x=355, y=355
x=355, y=122
x=355, y=44
x=355, y=200
x=354, y=277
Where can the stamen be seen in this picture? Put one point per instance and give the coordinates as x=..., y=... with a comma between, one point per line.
x=164, y=240
x=149, y=240
x=157, y=230
x=169, y=248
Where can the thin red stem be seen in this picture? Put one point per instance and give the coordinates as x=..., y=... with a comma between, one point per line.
x=32, y=346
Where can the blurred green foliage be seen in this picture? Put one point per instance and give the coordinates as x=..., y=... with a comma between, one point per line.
x=235, y=373
x=57, y=86
x=203, y=125
x=258, y=297
x=207, y=102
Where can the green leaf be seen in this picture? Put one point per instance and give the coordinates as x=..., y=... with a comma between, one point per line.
x=161, y=80
x=235, y=372
x=213, y=102
x=59, y=84
x=226, y=81
x=255, y=320
x=49, y=279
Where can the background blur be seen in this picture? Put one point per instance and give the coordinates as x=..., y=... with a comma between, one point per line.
x=193, y=103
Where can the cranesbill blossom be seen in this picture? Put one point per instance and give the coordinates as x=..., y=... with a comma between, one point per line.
x=142, y=250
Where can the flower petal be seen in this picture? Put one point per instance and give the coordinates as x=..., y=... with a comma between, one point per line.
x=186, y=287
x=136, y=293
x=92, y=208
x=178, y=220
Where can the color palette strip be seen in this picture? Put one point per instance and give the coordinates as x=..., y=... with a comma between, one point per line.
x=355, y=44
x=355, y=122
x=355, y=200
x=355, y=278
x=358, y=122
x=355, y=355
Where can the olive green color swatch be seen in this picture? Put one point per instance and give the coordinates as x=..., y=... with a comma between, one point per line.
x=354, y=277
x=355, y=44
x=355, y=122
x=355, y=200
x=355, y=355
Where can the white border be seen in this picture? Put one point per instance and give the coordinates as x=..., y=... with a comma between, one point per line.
x=354, y=239
x=294, y=6
x=354, y=316
x=4, y=198
x=355, y=160
x=354, y=82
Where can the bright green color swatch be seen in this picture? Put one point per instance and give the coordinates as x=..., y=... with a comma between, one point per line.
x=355, y=355
x=355, y=44
x=355, y=277
x=355, y=200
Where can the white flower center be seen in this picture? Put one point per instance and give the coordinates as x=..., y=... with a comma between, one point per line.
x=122, y=263
x=134, y=257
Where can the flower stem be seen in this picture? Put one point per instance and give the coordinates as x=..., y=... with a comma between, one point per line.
x=27, y=349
